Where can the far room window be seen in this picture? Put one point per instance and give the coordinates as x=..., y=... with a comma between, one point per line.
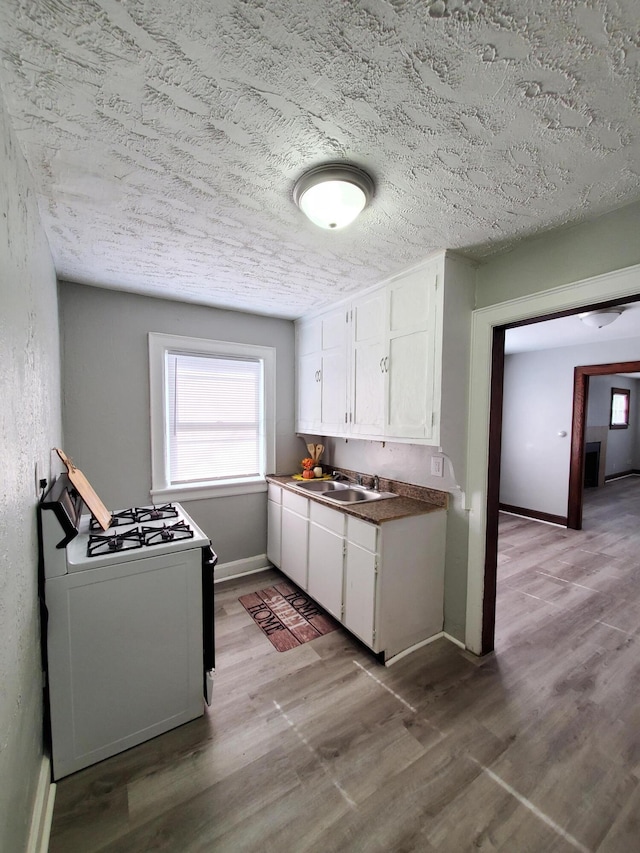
x=212, y=416
x=619, y=418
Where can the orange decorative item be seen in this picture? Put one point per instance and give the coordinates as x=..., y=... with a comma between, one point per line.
x=308, y=474
x=307, y=463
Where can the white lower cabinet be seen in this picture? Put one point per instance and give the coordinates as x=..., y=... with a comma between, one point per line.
x=361, y=568
x=295, y=538
x=384, y=582
x=326, y=556
x=274, y=525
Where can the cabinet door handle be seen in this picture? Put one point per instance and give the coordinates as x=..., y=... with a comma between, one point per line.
x=382, y=365
x=386, y=364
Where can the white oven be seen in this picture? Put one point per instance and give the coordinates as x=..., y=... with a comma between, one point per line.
x=129, y=633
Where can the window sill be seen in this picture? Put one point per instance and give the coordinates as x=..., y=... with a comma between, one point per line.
x=208, y=491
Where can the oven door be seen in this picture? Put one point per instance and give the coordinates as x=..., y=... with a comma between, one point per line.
x=209, y=560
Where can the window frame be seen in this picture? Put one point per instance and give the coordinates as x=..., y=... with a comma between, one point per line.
x=161, y=487
x=622, y=392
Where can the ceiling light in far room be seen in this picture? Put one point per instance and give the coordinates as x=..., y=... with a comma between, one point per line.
x=333, y=195
x=598, y=319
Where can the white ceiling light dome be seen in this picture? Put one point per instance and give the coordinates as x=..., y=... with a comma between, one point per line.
x=333, y=195
x=598, y=319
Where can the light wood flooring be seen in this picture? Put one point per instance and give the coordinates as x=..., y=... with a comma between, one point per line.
x=535, y=749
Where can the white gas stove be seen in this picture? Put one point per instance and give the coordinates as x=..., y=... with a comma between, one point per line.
x=76, y=543
x=129, y=635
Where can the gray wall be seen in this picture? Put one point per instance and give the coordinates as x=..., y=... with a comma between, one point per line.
x=30, y=426
x=106, y=401
x=538, y=400
x=621, y=444
x=562, y=257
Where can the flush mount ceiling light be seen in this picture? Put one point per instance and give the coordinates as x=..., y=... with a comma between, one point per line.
x=334, y=194
x=598, y=319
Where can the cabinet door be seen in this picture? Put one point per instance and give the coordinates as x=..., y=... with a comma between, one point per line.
x=309, y=386
x=334, y=372
x=360, y=593
x=321, y=361
x=308, y=374
x=411, y=354
x=294, y=549
x=274, y=532
x=325, y=568
x=368, y=365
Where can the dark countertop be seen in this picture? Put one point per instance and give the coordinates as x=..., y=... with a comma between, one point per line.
x=411, y=500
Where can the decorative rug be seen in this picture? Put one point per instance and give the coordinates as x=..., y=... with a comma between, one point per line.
x=287, y=615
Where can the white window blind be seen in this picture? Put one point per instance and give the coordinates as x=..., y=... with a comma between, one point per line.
x=215, y=423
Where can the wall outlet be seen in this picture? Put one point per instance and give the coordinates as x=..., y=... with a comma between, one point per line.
x=437, y=466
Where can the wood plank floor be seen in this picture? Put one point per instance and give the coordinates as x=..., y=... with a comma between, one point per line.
x=535, y=749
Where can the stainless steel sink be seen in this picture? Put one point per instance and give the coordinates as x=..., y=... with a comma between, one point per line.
x=343, y=493
x=321, y=486
x=354, y=495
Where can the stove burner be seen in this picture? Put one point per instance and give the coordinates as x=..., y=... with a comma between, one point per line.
x=166, y=533
x=125, y=516
x=98, y=545
x=156, y=513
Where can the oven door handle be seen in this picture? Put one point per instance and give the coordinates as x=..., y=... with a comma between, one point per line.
x=209, y=556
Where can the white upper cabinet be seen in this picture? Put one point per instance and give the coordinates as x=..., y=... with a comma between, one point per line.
x=309, y=367
x=411, y=365
x=404, y=342
x=368, y=351
x=321, y=356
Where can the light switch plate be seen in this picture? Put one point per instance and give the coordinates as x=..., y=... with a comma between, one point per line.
x=437, y=466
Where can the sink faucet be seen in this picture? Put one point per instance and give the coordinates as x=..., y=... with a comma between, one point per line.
x=338, y=475
x=376, y=483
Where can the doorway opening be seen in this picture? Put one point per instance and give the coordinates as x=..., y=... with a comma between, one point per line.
x=576, y=476
x=577, y=462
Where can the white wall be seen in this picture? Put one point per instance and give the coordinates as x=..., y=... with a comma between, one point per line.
x=30, y=426
x=106, y=401
x=621, y=444
x=538, y=400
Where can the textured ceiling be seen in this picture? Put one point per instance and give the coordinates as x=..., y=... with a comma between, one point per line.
x=165, y=137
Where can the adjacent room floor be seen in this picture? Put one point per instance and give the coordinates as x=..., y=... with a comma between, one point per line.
x=535, y=748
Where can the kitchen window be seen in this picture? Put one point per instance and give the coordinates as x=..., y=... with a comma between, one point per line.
x=212, y=417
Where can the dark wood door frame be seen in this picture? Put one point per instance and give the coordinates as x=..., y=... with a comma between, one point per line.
x=580, y=402
x=493, y=491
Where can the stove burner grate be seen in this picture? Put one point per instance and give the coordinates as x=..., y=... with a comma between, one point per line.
x=166, y=533
x=98, y=545
x=156, y=513
x=124, y=516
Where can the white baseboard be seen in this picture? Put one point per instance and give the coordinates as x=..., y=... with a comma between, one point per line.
x=413, y=648
x=237, y=568
x=42, y=814
x=454, y=640
x=426, y=642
